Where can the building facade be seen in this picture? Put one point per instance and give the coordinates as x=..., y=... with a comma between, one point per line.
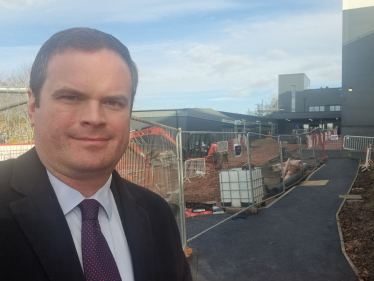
x=350, y=106
x=358, y=67
x=304, y=108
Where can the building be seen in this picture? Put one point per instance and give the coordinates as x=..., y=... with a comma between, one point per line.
x=350, y=106
x=206, y=119
x=304, y=108
x=358, y=68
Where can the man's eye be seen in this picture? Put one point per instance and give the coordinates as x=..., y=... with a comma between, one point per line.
x=114, y=104
x=70, y=98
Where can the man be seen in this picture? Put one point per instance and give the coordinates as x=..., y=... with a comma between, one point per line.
x=65, y=214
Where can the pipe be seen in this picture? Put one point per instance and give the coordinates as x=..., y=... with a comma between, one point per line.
x=8, y=90
x=290, y=181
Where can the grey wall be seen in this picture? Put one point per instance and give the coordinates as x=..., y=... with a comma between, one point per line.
x=197, y=124
x=304, y=99
x=358, y=70
x=367, y=131
x=180, y=118
x=172, y=121
x=285, y=81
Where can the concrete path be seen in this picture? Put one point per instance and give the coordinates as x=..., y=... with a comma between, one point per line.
x=294, y=239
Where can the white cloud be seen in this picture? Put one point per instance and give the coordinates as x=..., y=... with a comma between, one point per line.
x=235, y=62
x=277, y=54
x=96, y=11
x=226, y=99
x=19, y=3
x=244, y=59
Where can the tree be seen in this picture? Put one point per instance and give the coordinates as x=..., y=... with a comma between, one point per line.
x=14, y=122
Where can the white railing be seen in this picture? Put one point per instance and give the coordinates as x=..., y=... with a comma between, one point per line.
x=194, y=168
x=357, y=142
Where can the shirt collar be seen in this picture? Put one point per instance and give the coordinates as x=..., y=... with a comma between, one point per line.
x=69, y=197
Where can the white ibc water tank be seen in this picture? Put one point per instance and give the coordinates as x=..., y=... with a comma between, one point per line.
x=236, y=188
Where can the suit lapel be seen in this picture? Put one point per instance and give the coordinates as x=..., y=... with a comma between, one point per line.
x=41, y=219
x=138, y=231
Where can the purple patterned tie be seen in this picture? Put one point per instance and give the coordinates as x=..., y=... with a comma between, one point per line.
x=98, y=261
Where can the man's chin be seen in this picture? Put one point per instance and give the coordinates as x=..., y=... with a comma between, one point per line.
x=94, y=166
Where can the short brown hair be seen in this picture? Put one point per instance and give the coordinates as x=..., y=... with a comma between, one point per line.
x=79, y=38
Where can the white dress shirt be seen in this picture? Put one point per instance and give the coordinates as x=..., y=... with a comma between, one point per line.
x=109, y=219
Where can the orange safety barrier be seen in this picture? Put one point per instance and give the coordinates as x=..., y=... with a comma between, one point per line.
x=209, y=164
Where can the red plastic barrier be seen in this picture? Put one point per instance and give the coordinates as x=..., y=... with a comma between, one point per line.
x=242, y=141
x=230, y=145
x=192, y=214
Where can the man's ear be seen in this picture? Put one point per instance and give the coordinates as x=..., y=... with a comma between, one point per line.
x=31, y=106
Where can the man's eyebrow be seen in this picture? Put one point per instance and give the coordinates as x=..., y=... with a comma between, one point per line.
x=66, y=90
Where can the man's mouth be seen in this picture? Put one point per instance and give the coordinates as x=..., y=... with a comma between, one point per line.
x=92, y=141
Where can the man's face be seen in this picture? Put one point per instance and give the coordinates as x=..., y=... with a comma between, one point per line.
x=83, y=121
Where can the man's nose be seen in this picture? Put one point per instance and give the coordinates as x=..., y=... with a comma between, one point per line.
x=93, y=114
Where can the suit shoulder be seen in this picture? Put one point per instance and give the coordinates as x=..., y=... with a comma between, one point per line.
x=7, y=194
x=6, y=171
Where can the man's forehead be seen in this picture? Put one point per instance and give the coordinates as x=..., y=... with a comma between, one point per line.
x=76, y=52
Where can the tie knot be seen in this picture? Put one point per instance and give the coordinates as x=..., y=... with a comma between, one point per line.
x=89, y=209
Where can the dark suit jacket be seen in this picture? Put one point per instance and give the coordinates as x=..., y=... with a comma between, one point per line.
x=36, y=243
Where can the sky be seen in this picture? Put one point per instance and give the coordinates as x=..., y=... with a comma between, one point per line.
x=219, y=54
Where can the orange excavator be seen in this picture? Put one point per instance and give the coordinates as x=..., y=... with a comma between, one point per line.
x=153, y=135
x=202, y=145
x=194, y=145
x=153, y=131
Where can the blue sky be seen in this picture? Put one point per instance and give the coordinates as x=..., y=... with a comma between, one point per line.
x=222, y=54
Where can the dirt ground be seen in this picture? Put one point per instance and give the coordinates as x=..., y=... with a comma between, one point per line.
x=206, y=189
x=357, y=222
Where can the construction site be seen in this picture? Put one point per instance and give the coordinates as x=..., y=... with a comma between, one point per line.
x=213, y=179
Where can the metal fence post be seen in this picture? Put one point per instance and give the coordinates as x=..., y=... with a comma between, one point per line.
x=249, y=168
x=181, y=189
x=314, y=151
x=281, y=161
x=301, y=153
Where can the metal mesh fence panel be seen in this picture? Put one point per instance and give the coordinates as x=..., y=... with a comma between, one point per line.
x=194, y=168
x=16, y=133
x=227, y=189
x=8, y=151
x=151, y=158
x=357, y=142
x=223, y=146
x=15, y=126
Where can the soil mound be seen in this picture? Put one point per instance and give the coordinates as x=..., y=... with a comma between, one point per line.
x=269, y=141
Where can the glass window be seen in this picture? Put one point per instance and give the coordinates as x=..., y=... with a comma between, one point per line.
x=322, y=108
x=335, y=108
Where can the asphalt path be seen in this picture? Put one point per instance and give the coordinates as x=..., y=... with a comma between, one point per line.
x=294, y=239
